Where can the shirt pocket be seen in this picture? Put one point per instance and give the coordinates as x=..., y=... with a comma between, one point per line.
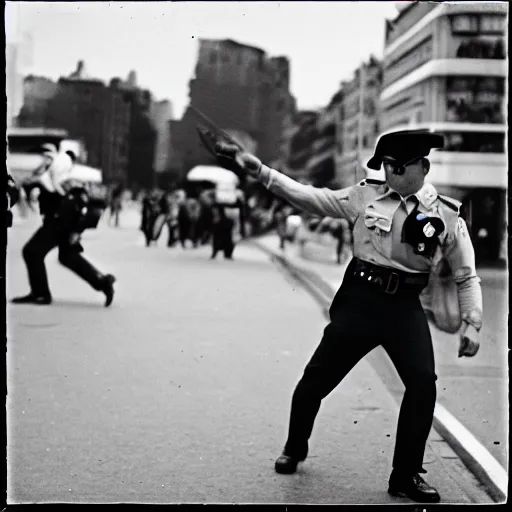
x=379, y=225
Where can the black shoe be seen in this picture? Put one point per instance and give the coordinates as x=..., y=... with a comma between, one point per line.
x=286, y=465
x=413, y=487
x=40, y=300
x=108, y=289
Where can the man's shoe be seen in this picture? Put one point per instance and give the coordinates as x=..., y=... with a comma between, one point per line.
x=40, y=300
x=413, y=487
x=286, y=465
x=108, y=289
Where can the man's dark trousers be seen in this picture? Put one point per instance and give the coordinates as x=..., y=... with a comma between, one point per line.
x=362, y=318
x=46, y=238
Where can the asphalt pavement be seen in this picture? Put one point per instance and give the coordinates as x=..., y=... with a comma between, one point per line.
x=180, y=391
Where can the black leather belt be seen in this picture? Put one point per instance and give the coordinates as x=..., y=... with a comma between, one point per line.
x=388, y=280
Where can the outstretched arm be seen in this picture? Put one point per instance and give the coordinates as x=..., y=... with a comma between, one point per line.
x=312, y=200
x=344, y=203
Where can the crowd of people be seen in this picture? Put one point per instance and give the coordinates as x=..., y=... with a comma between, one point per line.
x=192, y=217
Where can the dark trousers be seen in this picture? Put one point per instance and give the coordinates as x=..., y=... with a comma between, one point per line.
x=222, y=239
x=46, y=238
x=361, y=318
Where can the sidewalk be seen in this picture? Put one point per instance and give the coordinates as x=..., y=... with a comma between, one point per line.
x=323, y=277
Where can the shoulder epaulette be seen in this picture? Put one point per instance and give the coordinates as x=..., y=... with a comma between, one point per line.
x=451, y=203
x=370, y=181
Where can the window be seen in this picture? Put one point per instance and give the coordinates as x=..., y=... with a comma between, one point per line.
x=475, y=100
x=481, y=49
x=369, y=107
x=465, y=23
x=492, y=24
x=213, y=58
x=474, y=142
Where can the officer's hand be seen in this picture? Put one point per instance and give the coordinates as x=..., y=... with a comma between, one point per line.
x=469, y=343
x=246, y=161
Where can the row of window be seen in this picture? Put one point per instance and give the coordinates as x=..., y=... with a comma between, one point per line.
x=470, y=23
x=474, y=142
x=481, y=49
x=458, y=111
x=475, y=84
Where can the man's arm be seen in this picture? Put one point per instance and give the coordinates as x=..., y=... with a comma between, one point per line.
x=323, y=202
x=460, y=254
x=315, y=201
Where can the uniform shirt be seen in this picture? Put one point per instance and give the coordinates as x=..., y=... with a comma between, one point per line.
x=376, y=214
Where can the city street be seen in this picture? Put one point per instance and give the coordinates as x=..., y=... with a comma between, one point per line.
x=180, y=391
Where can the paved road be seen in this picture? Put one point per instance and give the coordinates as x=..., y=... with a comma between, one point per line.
x=180, y=391
x=473, y=390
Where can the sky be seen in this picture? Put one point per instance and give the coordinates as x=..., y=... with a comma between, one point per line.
x=325, y=41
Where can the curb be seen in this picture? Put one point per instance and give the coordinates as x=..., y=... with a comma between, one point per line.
x=472, y=453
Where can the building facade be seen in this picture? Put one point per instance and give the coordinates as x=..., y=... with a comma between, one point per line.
x=321, y=165
x=242, y=90
x=445, y=68
x=142, y=133
x=97, y=114
x=19, y=49
x=37, y=92
x=358, y=122
x=300, y=137
x=160, y=114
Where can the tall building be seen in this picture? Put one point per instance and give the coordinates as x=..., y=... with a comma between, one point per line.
x=19, y=50
x=97, y=114
x=321, y=166
x=142, y=134
x=241, y=89
x=37, y=92
x=300, y=137
x=161, y=115
x=358, y=122
x=445, y=68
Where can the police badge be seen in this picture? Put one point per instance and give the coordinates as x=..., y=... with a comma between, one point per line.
x=422, y=233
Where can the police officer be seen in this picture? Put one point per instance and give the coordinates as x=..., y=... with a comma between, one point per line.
x=65, y=206
x=399, y=226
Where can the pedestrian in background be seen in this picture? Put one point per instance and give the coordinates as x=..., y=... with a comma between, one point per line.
x=150, y=213
x=222, y=239
x=401, y=227
x=115, y=204
x=67, y=211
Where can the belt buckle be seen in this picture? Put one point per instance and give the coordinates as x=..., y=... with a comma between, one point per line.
x=395, y=279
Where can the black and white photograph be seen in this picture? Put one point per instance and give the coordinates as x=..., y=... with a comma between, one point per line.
x=256, y=253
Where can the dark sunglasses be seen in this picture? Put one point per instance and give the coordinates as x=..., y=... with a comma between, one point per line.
x=397, y=167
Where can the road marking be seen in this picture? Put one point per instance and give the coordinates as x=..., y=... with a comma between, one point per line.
x=493, y=472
